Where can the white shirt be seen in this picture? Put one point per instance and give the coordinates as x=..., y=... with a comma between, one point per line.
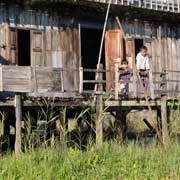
x=142, y=62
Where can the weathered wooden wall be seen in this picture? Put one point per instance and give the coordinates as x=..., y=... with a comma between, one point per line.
x=57, y=48
x=37, y=80
x=52, y=45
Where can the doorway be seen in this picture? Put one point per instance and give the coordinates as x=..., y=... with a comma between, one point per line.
x=24, y=58
x=90, y=45
x=138, y=44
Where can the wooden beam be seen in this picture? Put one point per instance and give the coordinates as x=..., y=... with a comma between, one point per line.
x=164, y=119
x=18, y=115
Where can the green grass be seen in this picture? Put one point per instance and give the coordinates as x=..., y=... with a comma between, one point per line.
x=112, y=161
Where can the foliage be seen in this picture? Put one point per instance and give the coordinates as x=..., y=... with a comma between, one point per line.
x=109, y=162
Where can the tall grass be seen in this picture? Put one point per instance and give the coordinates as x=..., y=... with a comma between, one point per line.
x=110, y=162
x=46, y=160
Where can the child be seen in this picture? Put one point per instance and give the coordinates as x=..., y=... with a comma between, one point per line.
x=124, y=77
x=143, y=65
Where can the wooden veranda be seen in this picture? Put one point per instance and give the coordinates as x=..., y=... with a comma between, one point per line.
x=31, y=85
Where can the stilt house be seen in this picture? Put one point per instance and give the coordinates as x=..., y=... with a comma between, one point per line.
x=50, y=48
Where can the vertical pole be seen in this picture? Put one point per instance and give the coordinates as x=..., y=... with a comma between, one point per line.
x=80, y=53
x=80, y=80
x=135, y=95
x=18, y=114
x=116, y=80
x=63, y=127
x=99, y=110
x=121, y=125
x=165, y=134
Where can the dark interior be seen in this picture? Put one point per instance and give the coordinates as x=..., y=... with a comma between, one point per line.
x=138, y=45
x=24, y=48
x=90, y=43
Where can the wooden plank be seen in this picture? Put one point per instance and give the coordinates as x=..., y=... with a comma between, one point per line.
x=37, y=48
x=79, y=50
x=169, y=50
x=130, y=52
x=69, y=60
x=48, y=47
x=49, y=79
x=130, y=103
x=55, y=94
x=16, y=79
x=13, y=46
x=175, y=66
x=4, y=44
x=16, y=72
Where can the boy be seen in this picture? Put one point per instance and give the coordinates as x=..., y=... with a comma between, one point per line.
x=143, y=66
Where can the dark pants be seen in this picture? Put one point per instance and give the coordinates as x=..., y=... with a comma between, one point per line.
x=144, y=77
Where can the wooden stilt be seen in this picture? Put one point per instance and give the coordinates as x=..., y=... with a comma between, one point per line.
x=63, y=127
x=7, y=127
x=99, y=111
x=120, y=119
x=18, y=114
x=124, y=125
x=165, y=134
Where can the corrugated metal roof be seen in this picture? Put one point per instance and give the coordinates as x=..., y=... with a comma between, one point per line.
x=158, y=5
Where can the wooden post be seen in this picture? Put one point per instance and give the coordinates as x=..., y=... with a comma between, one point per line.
x=99, y=110
x=121, y=125
x=134, y=84
x=164, y=119
x=18, y=114
x=116, y=80
x=63, y=127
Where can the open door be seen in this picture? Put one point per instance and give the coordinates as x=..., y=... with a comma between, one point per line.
x=13, y=46
x=3, y=44
x=37, y=48
x=24, y=57
x=114, y=54
x=8, y=45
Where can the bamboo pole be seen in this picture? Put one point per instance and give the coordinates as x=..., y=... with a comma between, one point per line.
x=102, y=42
